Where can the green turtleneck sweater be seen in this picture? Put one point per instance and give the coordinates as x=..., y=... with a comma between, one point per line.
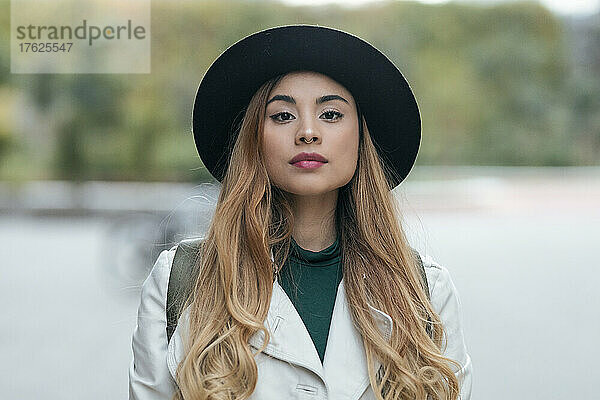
x=310, y=280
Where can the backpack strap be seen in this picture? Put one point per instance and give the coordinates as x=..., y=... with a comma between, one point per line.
x=422, y=271
x=181, y=280
x=429, y=327
x=184, y=272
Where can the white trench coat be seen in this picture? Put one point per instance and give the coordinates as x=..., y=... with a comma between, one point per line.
x=289, y=368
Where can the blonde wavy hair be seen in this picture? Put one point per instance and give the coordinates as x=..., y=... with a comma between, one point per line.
x=231, y=295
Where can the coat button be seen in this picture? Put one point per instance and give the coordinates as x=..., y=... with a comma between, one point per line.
x=307, y=389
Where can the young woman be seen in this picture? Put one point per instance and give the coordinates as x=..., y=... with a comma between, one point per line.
x=307, y=287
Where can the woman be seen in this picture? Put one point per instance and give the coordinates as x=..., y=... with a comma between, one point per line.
x=307, y=287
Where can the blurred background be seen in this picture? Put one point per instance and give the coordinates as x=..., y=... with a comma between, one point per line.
x=99, y=173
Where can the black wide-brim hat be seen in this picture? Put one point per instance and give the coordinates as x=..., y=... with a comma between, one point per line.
x=383, y=95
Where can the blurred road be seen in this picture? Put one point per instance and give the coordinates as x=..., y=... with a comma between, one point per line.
x=520, y=245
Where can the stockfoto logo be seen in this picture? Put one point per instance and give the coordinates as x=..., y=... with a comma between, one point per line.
x=80, y=36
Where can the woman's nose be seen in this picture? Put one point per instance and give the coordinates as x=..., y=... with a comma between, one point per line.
x=307, y=131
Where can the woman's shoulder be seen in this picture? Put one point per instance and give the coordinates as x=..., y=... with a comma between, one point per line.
x=156, y=283
x=446, y=302
x=164, y=261
x=149, y=376
x=165, y=258
x=158, y=277
x=442, y=290
x=438, y=276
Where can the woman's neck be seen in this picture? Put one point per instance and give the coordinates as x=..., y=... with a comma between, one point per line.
x=314, y=220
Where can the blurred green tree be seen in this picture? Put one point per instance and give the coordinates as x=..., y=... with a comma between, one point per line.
x=497, y=85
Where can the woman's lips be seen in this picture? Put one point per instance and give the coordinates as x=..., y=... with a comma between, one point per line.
x=304, y=156
x=308, y=164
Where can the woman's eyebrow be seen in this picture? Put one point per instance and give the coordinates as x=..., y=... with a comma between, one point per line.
x=330, y=97
x=319, y=100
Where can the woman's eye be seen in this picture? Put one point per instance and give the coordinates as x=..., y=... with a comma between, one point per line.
x=332, y=114
x=276, y=117
x=284, y=116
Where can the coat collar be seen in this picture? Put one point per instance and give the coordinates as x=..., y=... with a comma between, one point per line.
x=344, y=368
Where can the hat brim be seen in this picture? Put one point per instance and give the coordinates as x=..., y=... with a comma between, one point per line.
x=377, y=85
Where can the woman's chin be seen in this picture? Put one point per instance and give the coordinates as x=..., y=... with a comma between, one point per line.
x=311, y=189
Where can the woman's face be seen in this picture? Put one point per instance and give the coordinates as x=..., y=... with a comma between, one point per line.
x=307, y=106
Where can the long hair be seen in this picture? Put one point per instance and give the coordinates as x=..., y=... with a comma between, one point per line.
x=231, y=296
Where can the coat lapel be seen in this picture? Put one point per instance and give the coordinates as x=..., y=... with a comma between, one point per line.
x=344, y=369
x=290, y=340
x=345, y=361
